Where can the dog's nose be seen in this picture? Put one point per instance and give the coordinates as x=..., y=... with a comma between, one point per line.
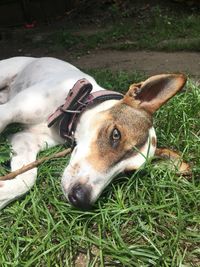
x=79, y=196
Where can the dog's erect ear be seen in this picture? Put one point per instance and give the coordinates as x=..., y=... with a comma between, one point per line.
x=154, y=92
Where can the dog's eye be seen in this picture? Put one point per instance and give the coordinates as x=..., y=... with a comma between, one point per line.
x=115, y=137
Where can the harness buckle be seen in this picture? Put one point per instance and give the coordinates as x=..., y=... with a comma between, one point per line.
x=69, y=111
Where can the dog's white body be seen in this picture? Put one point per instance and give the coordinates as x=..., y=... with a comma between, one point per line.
x=31, y=90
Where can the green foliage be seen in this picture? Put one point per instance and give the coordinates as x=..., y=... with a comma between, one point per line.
x=154, y=30
x=147, y=218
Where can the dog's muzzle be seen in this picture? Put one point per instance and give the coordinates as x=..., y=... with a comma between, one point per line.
x=80, y=196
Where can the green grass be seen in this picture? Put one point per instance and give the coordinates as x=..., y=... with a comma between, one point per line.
x=155, y=29
x=147, y=218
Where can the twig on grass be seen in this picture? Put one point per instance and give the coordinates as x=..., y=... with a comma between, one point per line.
x=34, y=164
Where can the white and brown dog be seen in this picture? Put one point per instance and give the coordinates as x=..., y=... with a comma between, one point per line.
x=111, y=137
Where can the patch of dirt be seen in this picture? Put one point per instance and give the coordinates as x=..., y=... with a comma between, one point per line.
x=21, y=42
x=143, y=61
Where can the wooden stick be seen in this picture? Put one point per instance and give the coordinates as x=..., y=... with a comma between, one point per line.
x=34, y=164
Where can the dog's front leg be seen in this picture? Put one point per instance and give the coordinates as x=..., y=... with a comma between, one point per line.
x=25, y=146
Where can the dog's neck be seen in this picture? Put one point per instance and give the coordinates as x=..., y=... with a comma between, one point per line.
x=79, y=99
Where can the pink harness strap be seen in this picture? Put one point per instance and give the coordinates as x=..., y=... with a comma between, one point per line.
x=78, y=99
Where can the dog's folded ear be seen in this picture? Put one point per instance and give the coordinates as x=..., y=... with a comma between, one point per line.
x=154, y=92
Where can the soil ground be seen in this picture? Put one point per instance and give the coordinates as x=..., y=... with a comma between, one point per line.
x=143, y=61
x=149, y=62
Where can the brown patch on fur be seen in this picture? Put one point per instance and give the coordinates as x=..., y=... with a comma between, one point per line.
x=131, y=102
x=129, y=98
x=133, y=125
x=165, y=153
x=153, y=141
x=1, y=184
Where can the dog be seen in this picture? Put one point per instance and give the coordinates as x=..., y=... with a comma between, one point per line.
x=112, y=136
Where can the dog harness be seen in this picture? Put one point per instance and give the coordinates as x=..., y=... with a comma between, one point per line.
x=78, y=100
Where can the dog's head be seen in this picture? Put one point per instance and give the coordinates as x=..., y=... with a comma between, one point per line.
x=115, y=136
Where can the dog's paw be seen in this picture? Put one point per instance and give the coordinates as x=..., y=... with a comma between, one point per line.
x=9, y=191
x=5, y=196
x=15, y=188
